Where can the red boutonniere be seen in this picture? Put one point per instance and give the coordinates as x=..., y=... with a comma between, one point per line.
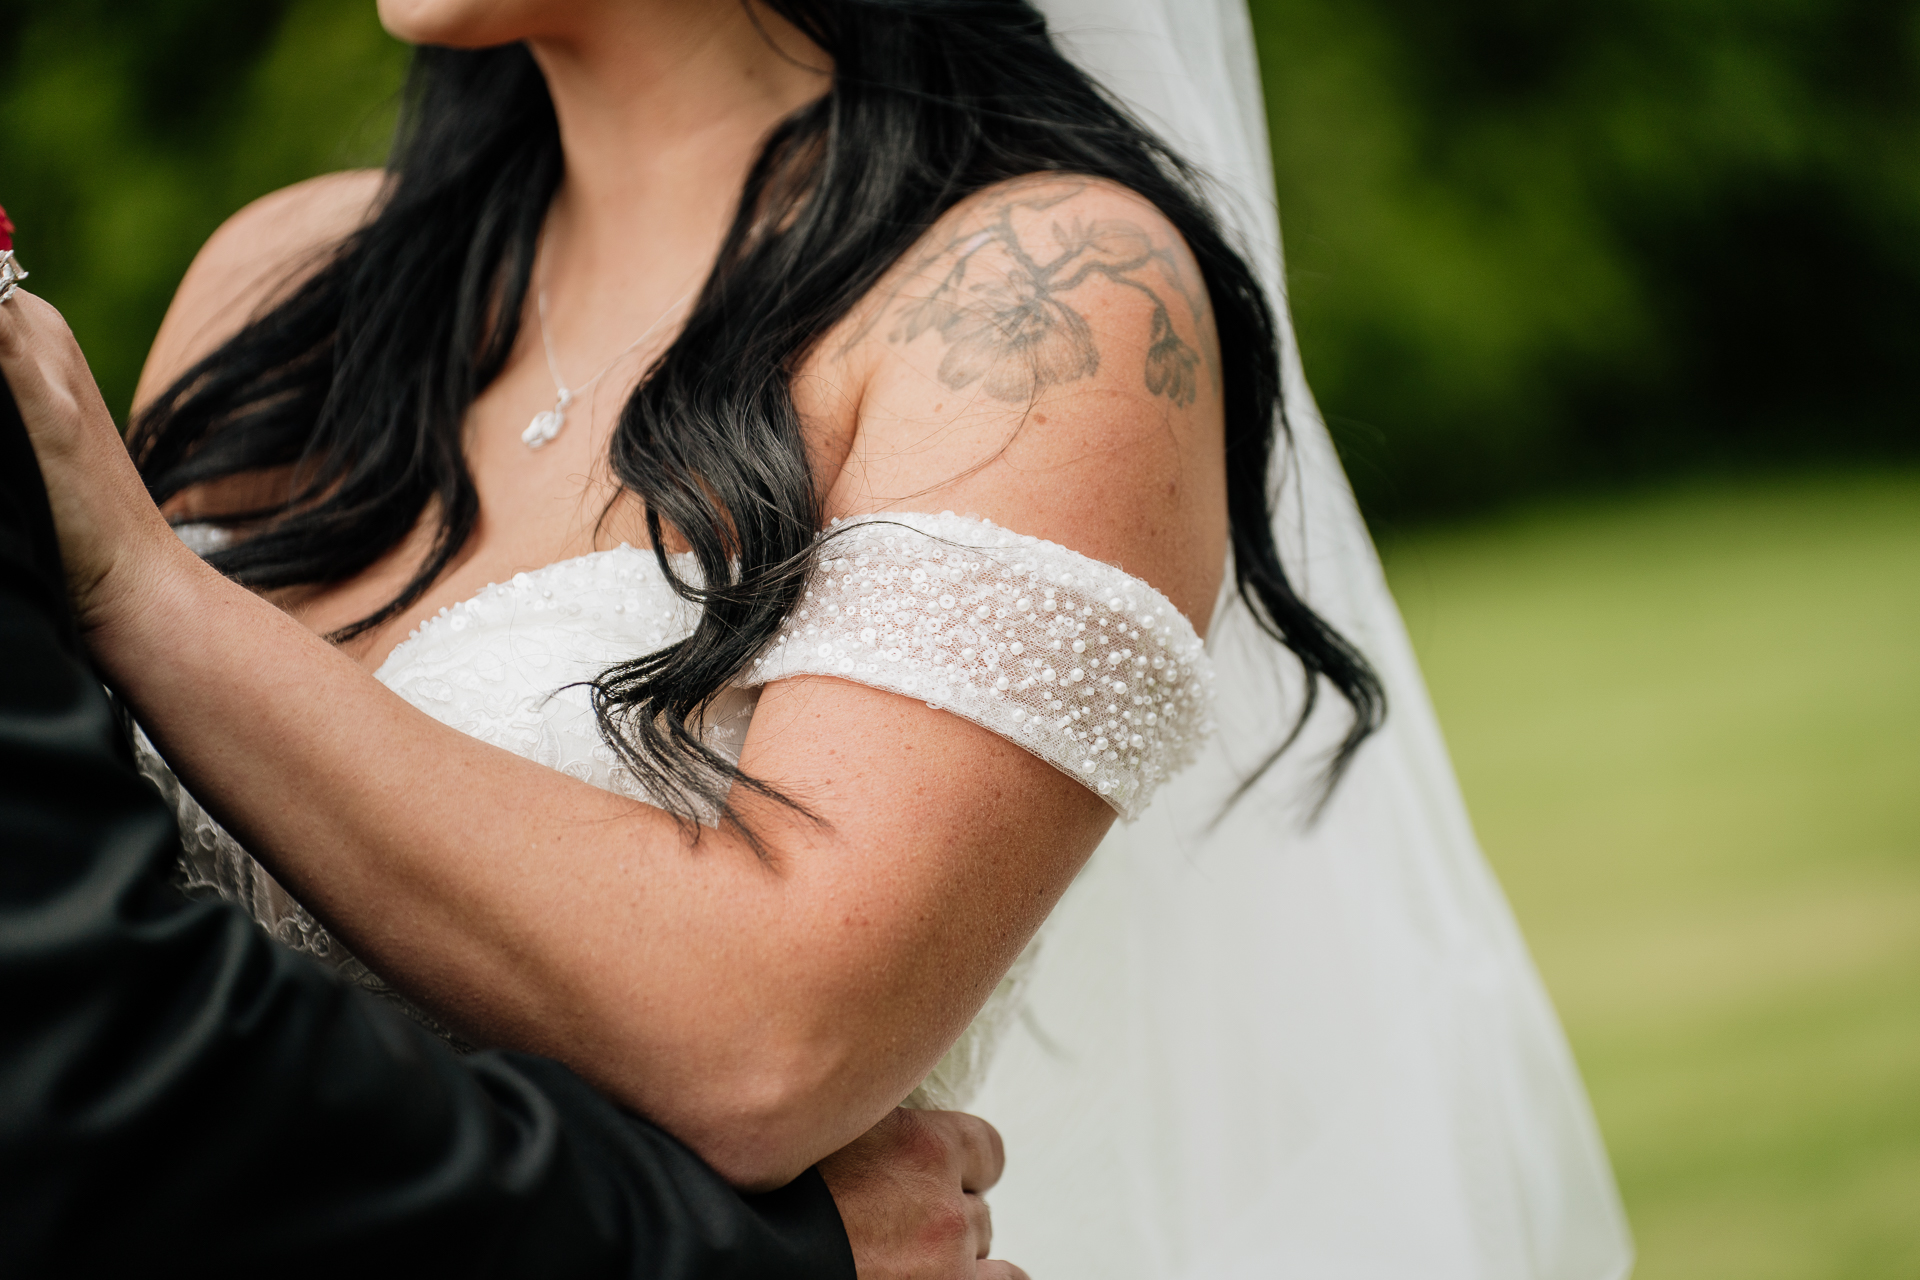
x=6, y=232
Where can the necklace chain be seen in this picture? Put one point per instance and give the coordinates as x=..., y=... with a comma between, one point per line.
x=545, y=426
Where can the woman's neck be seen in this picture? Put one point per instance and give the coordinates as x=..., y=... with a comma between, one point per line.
x=662, y=106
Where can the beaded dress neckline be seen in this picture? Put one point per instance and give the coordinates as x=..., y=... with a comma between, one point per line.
x=526, y=579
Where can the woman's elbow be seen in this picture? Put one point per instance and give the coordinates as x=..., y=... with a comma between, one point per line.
x=772, y=1113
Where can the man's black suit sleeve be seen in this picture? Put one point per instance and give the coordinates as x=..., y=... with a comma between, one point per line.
x=178, y=1094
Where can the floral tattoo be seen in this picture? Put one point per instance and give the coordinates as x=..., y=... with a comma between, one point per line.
x=1006, y=319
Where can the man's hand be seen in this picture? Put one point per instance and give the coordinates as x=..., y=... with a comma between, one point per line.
x=909, y=1193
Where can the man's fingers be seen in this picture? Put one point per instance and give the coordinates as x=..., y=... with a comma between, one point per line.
x=982, y=1154
x=998, y=1271
x=980, y=1225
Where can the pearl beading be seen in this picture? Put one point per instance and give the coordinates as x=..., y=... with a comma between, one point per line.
x=508, y=665
x=1081, y=663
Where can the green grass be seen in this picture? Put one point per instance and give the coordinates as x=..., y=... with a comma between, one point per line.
x=1688, y=726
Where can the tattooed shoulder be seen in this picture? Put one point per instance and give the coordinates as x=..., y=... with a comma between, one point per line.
x=1005, y=283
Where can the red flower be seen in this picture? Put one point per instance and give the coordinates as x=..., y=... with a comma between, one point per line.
x=6, y=232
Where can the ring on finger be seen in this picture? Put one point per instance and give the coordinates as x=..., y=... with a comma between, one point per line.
x=11, y=274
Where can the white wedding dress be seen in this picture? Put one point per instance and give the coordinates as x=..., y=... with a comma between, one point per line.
x=1249, y=1045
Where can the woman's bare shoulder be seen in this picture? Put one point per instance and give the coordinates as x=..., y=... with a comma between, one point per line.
x=1046, y=356
x=250, y=262
x=1034, y=265
x=1064, y=218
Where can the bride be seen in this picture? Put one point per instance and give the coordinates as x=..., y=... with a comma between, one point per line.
x=588, y=651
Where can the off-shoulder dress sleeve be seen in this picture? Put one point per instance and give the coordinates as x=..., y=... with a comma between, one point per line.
x=1081, y=663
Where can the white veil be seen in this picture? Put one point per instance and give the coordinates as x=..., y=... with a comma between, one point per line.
x=1266, y=1049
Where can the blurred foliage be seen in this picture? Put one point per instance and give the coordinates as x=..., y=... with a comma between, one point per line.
x=1532, y=244
x=1571, y=242
x=130, y=129
x=1683, y=720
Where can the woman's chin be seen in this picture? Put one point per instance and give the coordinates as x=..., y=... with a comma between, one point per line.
x=462, y=24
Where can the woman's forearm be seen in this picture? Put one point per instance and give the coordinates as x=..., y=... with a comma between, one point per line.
x=484, y=885
x=699, y=986
x=766, y=1011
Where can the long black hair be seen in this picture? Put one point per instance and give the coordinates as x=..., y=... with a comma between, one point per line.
x=358, y=382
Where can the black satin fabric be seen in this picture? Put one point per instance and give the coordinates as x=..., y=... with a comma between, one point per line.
x=181, y=1095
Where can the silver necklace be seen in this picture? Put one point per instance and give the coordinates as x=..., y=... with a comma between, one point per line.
x=546, y=425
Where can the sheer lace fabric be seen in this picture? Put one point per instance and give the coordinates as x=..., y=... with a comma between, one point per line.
x=1124, y=709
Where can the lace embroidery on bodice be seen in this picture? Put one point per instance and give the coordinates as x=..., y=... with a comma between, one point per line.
x=1092, y=670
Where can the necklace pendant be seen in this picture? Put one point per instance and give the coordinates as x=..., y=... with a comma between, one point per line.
x=545, y=426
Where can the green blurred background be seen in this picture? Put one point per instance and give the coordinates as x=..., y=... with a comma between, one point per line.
x=1614, y=310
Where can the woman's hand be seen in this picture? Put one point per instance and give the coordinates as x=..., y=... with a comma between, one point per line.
x=113, y=540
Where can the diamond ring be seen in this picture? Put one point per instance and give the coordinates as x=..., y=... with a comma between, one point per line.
x=11, y=274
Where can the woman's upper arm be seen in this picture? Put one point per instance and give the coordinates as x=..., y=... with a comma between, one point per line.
x=250, y=262
x=1048, y=360
x=1047, y=363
